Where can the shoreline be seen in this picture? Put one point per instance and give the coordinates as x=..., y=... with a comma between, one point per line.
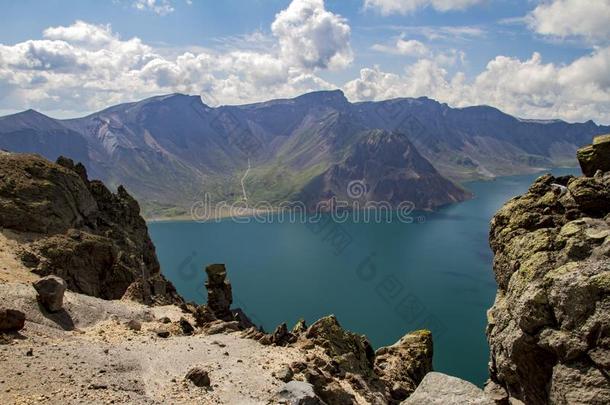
x=227, y=214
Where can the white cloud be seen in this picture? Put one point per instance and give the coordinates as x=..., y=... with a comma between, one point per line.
x=589, y=19
x=416, y=49
x=410, y=47
x=526, y=88
x=84, y=67
x=312, y=37
x=387, y=7
x=82, y=33
x=159, y=7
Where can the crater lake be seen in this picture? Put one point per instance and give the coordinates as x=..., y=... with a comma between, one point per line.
x=383, y=280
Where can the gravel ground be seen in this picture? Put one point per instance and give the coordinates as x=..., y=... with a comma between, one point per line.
x=101, y=360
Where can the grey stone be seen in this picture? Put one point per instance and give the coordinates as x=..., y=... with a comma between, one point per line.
x=441, y=389
x=51, y=291
x=284, y=374
x=134, y=325
x=296, y=393
x=198, y=376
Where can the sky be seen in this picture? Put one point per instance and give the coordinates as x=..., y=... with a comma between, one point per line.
x=533, y=59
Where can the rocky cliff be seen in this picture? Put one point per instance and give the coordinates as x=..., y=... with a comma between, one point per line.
x=549, y=328
x=76, y=228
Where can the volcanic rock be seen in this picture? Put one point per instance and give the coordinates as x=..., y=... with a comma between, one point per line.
x=92, y=238
x=594, y=157
x=353, y=353
x=11, y=320
x=296, y=393
x=51, y=291
x=549, y=328
x=219, y=292
x=403, y=365
x=441, y=389
x=199, y=377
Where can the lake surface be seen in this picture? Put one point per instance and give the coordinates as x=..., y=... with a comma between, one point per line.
x=382, y=280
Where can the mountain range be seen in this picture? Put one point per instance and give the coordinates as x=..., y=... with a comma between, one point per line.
x=170, y=150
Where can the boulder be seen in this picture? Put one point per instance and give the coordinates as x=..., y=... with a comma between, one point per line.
x=162, y=333
x=198, y=376
x=403, y=365
x=186, y=327
x=220, y=326
x=11, y=320
x=441, y=389
x=51, y=291
x=134, y=325
x=596, y=156
x=296, y=393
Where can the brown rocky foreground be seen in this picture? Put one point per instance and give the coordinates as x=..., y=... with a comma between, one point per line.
x=99, y=351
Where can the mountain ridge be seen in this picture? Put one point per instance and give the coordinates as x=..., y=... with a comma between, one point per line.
x=170, y=149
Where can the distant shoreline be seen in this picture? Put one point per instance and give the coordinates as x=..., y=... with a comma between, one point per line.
x=224, y=214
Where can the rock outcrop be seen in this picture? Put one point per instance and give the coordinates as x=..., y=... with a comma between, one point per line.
x=594, y=157
x=403, y=365
x=549, y=328
x=220, y=295
x=79, y=230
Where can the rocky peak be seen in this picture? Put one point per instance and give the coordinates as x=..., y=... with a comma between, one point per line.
x=549, y=328
x=332, y=98
x=79, y=230
x=596, y=156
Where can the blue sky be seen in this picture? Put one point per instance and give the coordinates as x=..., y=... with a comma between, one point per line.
x=534, y=59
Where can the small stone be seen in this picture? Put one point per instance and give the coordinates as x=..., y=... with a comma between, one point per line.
x=51, y=291
x=162, y=333
x=284, y=374
x=198, y=376
x=165, y=319
x=186, y=327
x=11, y=320
x=134, y=325
x=298, y=393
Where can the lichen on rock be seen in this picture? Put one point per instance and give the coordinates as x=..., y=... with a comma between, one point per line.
x=549, y=328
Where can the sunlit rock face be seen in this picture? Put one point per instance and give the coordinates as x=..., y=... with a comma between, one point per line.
x=549, y=328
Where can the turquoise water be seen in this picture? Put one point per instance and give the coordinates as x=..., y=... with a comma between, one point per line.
x=381, y=280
